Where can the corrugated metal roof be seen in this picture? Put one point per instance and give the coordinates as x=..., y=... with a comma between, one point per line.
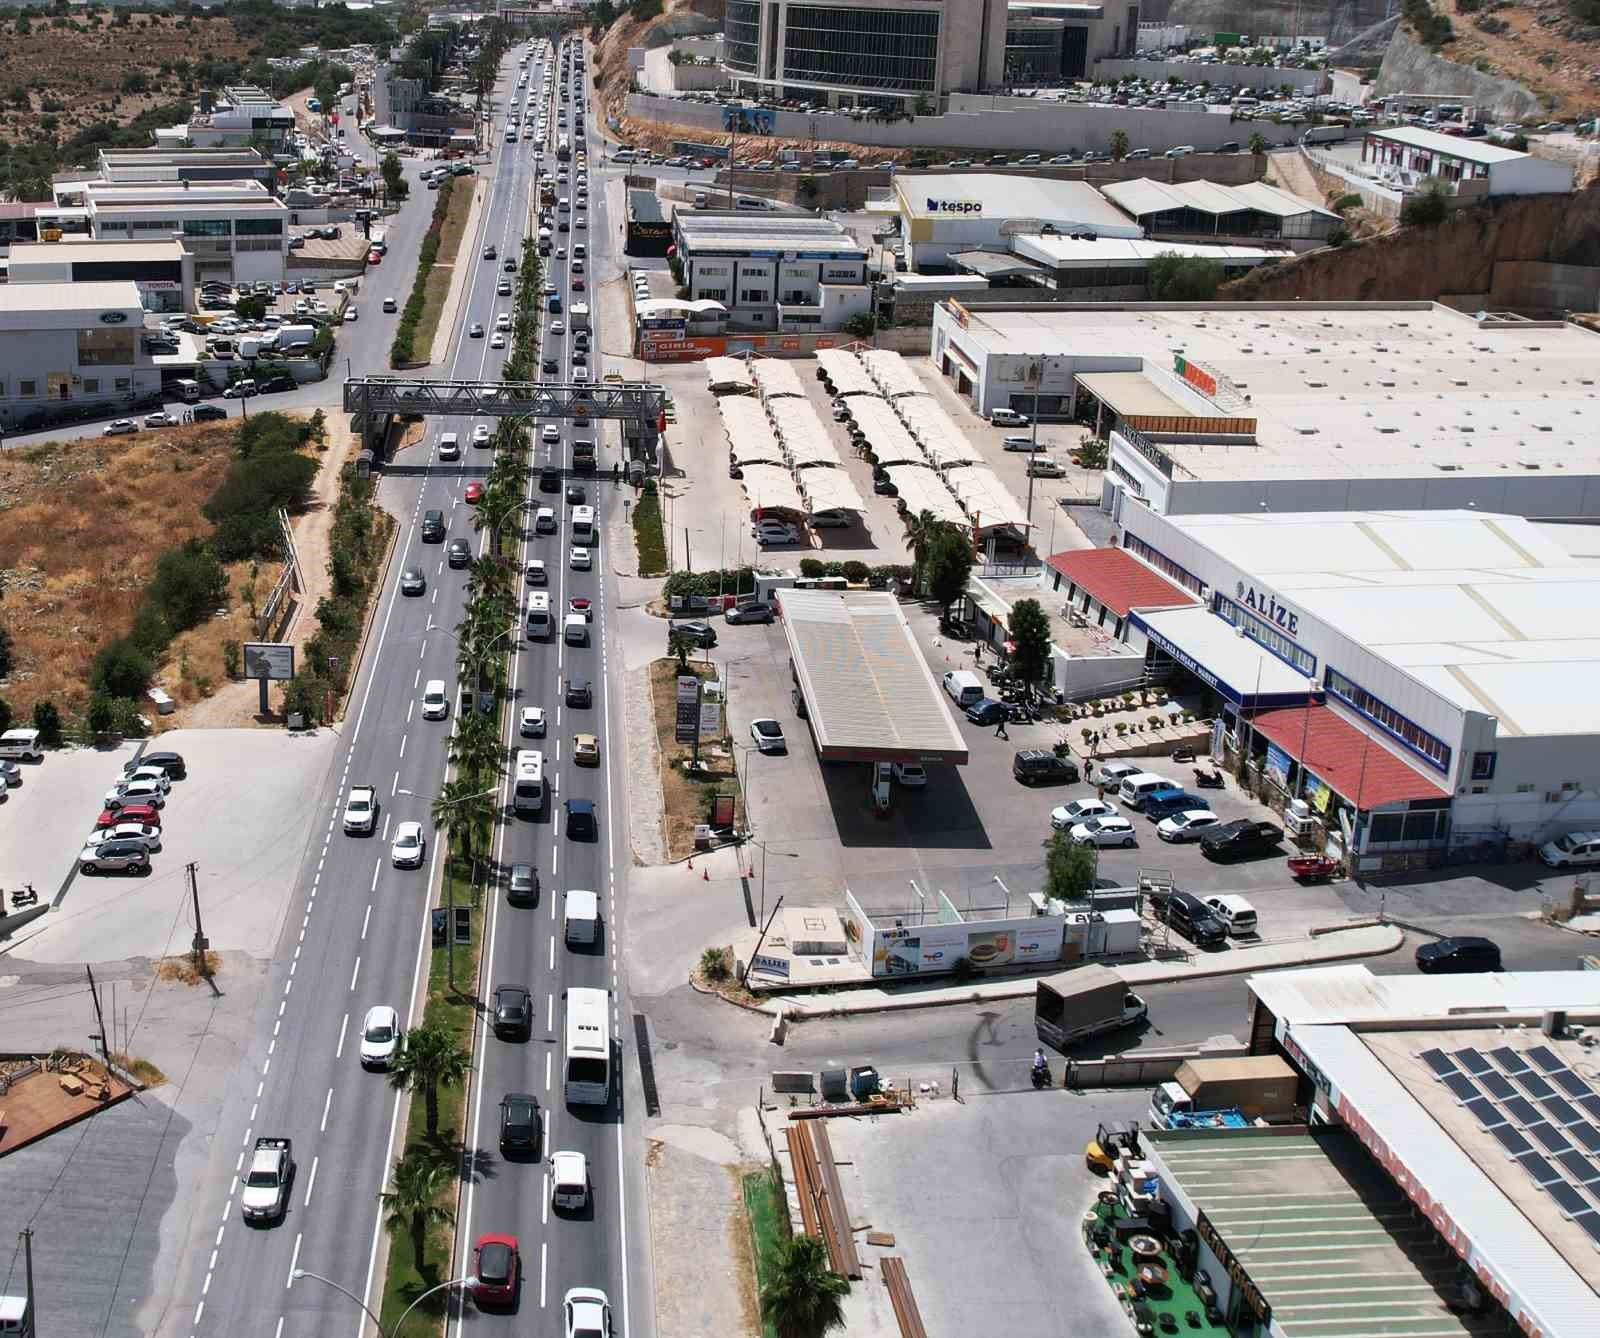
x=1144, y=196
x=110, y=295
x=1000, y=195
x=1353, y=994
x=89, y=251
x=869, y=691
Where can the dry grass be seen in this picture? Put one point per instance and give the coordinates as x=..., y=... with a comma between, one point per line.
x=683, y=797
x=181, y=970
x=81, y=525
x=437, y=287
x=142, y=1069
x=194, y=666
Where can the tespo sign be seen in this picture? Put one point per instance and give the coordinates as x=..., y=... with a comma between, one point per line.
x=955, y=206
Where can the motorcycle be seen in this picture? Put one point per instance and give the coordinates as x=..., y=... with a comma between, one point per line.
x=1183, y=754
x=25, y=896
x=1208, y=780
x=1042, y=1076
x=1018, y=714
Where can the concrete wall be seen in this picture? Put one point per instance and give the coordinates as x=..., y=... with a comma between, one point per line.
x=1536, y=283
x=979, y=123
x=1219, y=75
x=1409, y=67
x=660, y=75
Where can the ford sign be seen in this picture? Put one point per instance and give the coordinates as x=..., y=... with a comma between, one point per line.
x=113, y=317
x=955, y=206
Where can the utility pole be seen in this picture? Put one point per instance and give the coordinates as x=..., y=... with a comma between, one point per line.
x=94, y=993
x=199, y=931
x=27, y=1255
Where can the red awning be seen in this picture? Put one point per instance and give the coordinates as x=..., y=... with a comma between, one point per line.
x=1119, y=580
x=1357, y=766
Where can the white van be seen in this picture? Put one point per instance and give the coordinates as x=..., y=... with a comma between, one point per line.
x=1138, y=787
x=435, y=704
x=575, y=630
x=544, y=520
x=449, y=446
x=17, y=745
x=1569, y=851
x=536, y=619
x=582, y=916
x=964, y=687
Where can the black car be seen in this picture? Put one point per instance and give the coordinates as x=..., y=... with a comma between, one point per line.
x=413, y=582
x=459, y=554
x=576, y=494
x=274, y=384
x=208, y=413
x=523, y=885
x=550, y=365
x=696, y=633
x=579, y=692
x=581, y=823
x=1190, y=916
x=549, y=479
x=513, y=1011
x=1460, y=954
x=1040, y=766
x=755, y=612
x=510, y=266
x=1245, y=836
x=519, y=1123
x=489, y=252
x=986, y=711
x=171, y=763
x=433, y=527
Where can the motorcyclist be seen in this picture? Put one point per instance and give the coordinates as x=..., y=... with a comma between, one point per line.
x=1040, y=1064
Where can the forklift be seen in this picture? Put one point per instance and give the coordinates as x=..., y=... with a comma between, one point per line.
x=1100, y=1155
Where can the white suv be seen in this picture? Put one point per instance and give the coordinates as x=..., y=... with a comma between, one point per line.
x=435, y=704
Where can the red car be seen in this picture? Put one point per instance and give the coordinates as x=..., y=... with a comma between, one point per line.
x=474, y=493
x=499, y=1269
x=577, y=283
x=374, y=257
x=145, y=813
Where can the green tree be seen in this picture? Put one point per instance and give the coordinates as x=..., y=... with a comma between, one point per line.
x=1069, y=869
x=47, y=720
x=920, y=531
x=1093, y=452
x=1257, y=144
x=100, y=718
x=1030, y=632
x=802, y=1298
x=1426, y=209
x=121, y=670
x=395, y=186
x=475, y=746
x=188, y=585
x=463, y=808
x=680, y=645
x=1119, y=145
x=7, y=653
x=949, y=567
x=250, y=308
x=429, y=1058
x=412, y=1203
x=1176, y=278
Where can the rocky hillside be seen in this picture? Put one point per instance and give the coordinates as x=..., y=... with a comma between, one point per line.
x=1340, y=20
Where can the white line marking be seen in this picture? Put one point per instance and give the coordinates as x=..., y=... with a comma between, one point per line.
x=365, y=919
x=547, y=1069
x=312, y=1182
x=355, y=973
x=343, y=1029
x=327, y=1102
x=294, y=1261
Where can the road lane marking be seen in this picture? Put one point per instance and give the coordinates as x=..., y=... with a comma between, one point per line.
x=294, y=1261
x=355, y=973
x=344, y=1028
x=312, y=1182
x=364, y=921
x=548, y=1055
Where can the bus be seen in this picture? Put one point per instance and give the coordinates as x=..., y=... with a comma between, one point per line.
x=564, y=149
x=537, y=619
x=586, y=1071
x=583, y=528
x=527, y=792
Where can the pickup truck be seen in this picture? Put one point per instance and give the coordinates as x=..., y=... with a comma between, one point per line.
x=1083, y=1002
x=266, y=1184
x=1244, y=837
x=361, y=809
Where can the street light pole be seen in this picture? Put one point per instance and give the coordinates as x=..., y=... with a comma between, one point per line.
x=400, y=1323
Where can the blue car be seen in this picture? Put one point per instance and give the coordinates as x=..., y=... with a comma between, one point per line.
x=986, y=711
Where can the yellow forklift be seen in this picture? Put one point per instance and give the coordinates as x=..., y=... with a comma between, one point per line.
x=1100, y=1155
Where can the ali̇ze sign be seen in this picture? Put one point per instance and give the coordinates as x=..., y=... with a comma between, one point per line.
x=1265, y=606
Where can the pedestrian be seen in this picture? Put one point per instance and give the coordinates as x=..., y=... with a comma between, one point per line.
x=1088, y=768
x=1000, y=731
x=955, y=1084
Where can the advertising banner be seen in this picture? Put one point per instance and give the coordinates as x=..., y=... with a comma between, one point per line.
x=938, y=947
x=687, y=723
x=749, y=120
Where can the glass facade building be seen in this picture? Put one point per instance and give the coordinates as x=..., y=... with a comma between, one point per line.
x=741, y=35
x=863, y=47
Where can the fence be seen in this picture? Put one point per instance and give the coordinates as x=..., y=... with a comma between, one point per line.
x=1139, y=1070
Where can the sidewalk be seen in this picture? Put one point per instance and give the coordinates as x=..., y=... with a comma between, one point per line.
x=1360, y=940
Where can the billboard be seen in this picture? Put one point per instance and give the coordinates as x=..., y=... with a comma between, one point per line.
x=937, y=947
x=268, y=659
x=694, y=149
x=749, y=120
x=697, y=347
x=687, y=723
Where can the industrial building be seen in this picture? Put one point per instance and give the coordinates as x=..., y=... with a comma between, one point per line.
x=1298, y=406
x=188, y=164
x=1189, y=209
x=1445, y=1180
x=773, y=272
x=243, y=115
x=72, y=348
x=162, y=271
x=1410, y=157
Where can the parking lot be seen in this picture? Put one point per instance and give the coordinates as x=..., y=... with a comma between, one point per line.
x=246, y=838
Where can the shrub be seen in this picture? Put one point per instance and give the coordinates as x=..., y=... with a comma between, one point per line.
x=811, y=568
x=1350, y=201
x=715, y=964
x=121, y=669
x=1338, y=236
x=856, y=572
x=188, y=585
x=1427, y=208
x=47, y=720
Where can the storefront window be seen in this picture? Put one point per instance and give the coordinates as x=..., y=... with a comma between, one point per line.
x=100, y=348
x=1265, y=635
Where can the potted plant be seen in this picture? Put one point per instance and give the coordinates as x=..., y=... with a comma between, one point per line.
x=1122, y=728
x=1154, y=721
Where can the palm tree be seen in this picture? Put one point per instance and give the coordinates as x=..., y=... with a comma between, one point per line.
x=921, y=530
x=495, y=509
x=462, y=808
x=430, y=1059
x=1119, y=145
x=1258, y=143
x=489, y=578
x=419, y=1178
x=475, y=745
x=802, y=1298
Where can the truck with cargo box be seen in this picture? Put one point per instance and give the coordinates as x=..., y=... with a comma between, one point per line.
x=1256, y=1086
x=1086, y=1001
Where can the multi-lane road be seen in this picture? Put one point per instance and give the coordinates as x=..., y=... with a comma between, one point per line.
x=357, y=930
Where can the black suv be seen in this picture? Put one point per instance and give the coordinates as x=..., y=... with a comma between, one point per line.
x=1456, y=955
x=208, y=413
x=549, y=479
x=1186, y=913
x=1040, y=766
x=1245, y=836
x=171, y=763
x=513, y=1011
x=433, y=527
x=581, y=824
x=579, y=692
x=519, y=1123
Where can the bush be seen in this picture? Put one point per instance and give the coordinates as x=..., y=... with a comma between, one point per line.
x=1351, y=201
x=188, y=585
x=1338, y=236
x=715, y=964
x=729, y=581
x=121, y=669
x=811, y=568
x=47, y=720
x=856, y=572
x=1426, y=209
x=100, y=719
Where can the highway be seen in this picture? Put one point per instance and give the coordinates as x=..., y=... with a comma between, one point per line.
x=357, y=929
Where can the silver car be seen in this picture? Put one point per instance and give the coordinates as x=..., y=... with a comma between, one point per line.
x=123, y=856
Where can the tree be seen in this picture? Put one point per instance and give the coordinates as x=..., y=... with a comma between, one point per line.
x=47, y=720
x=1030, y=632
x=1257, y=144
x=680, y=645
x=802, y=1298
x=250, y=308
x=429, y=1058
x=7, y=654
x=1069, y=868
x=189, y=584
x=418, y=1179
x=920, y=531
x=1119, y=145
x=121, y=670
x=1176, y=278
x=1093, y=452
x=1426, y=209
x=475, y=745
x=5, y=715
x=100, y=718
x=395, y=186
x=460, y=810
x=949, y=565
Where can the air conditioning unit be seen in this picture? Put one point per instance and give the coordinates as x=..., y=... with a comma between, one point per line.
x=1298, y=808
x=1299, y=826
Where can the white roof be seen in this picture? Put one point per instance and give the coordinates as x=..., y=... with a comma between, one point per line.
x=891, y=441
x=827, y=488
x=1353, y=994
x=987, y=501
x=1000, y=196
x=74, y=250
x=776, y=377
x=923, y=490
x=1449, y=146
x=1063, y=252
x=771, y=488
x=944, y=442
x=728, y=374
x=1242, y=664
x=844, y=369
x=892, y=373
x=70, y=306
x=805, y=440
x=1144, y=196
x=750, y=436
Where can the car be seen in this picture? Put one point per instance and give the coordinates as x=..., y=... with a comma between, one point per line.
x=550, y=434
x=1116, y=831
x=986, y=711
x=912, y=775
x=380, y=1036
x=577, y=494
x=1571, y=850
x=580, y=559
x=1186, y=825
x=160, y=418
x=480, y=434
x=756, y=612
x=147, y=815
x=459, y=553
x=586, y=1313
x=1111, y=774
x=569, y=1181
x=208, y=413
x=148, y=835
x=583, y=606
x=522, y=884
x=121, y=856
x=1066, y=816
x=519, y=1124
x=532, y=725
x=1046, y=467
x=766, y=532
x=513, y=1011
x=498, y=340
x=586, y=750
x=768, y=736
x=374, y=257
x=389, y=304
x=536, y=573
x=696, y=633
x=1243, y=836
x=489, y=252
x=475, y=331
x=408, y=846
x=169, y=762
x=1020, y=443
x=550, y=365
x=1458, y=954
x=558, y=327
x=497, y=1269
x=510, y=265
x=1236, y=914
x=413, y=582
x=1041, y=766
x=141, y=791
x=119, y=427
x=1008, y=418
x=580, y=692
x=435, y=700
x=581, y=823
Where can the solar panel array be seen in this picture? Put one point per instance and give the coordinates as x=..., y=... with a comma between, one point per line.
x=1544, y=1115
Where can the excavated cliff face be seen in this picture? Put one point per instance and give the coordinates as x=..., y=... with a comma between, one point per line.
x=1420, y=264
x=1340, y=20
x=1409, y=67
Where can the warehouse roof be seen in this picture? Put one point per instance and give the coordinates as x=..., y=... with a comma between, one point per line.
x=73, y=250
x=1057, y=250
x=1450, y=146
x=993, y=264
x=1144, y=196
x=870, y=693
x=55, y=306
x=994, y=195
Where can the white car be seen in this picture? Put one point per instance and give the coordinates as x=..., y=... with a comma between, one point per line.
x=502, y=321
x=161, y=418
x=119, y=427
x=480, y=435
x=532, y=724
x=135, y=792
x=155, y=775
x=1080, y=810
x=124, y=831
x=498, y=340
x=558, y=327
x=550, y=434
x=380, y=1036
x=1237, y=915
x=1187, y=825
x=586, y=1313
x=435, y=702
x=913, y=775
x=580, y=559
x=768, y=736
x=1105, y=832
x=569, y=1181
x=407, y=848
x=449, y=447
x=535, y=572
x=766, y=532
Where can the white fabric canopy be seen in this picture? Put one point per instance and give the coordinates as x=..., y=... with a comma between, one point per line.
x=805, y=439
x=888, y=437
x=776, y=377
x=945, y=443
x=827, y=488
x=923, y=490
x=987, y=501
x=728, y=374
x=844, y=369
x=751, y=439
x=770, y=488
x=892, y=373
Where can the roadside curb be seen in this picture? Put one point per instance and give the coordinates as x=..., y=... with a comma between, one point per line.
x=380, y=577
x=698, y=988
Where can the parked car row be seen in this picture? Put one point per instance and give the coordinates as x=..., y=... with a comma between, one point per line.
x=128, y=830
